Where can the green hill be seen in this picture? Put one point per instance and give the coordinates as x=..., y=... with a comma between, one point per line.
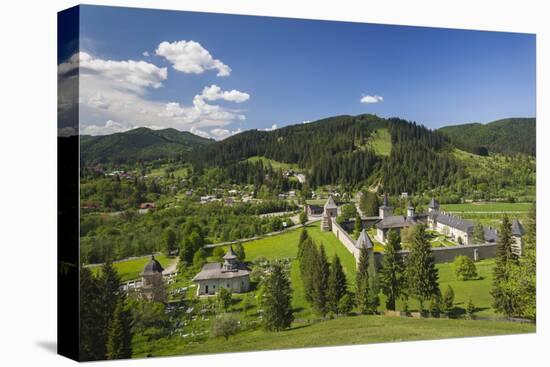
x=138, y=145
x=507, y=136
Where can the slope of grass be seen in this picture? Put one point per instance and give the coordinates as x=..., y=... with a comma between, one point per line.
x=381, y=142
x=275, y=164
x=341, y=331
x=130, y=269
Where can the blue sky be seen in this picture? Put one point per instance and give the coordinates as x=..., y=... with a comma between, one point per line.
x=286, y=71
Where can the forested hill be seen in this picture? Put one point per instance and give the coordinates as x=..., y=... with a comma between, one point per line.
x=338, y=150
x=508, y=136
x=139, y=144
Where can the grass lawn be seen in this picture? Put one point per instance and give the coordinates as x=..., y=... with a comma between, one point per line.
x=487, y=207
x=130, y=269
x=340, y=331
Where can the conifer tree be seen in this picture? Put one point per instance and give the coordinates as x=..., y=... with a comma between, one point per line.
x=109, y=285
x=303, y=236
x=277, y=299
x=421, y=273
x=365, y=293
x=505, y=297
x=239, y=251
x=92, y=332
x=392, y=272
x=337, y=286
x=319, y=282
x=308, y=261
x=119, y=342
x=448, y=300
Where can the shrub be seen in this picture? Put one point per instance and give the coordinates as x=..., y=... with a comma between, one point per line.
x=225, y=325
x=465, y=268
x=345, y=305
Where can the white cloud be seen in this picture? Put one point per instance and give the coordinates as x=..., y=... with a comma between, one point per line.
x=146, y=53
x=130, y=75
x=273, y=127
x=220, y=134
x=190, y=57
x=117, y=91
x=199, y=132
x=371, y=99
x=213, y=93
x=110, y=127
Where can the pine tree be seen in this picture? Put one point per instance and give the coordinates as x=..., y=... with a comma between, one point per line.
x=337, y=286
x=239, y=251
x=92, y=332
x=303, y=236
x=119, y=342
x=109, y=283
x=421, y=273
x=504, y=295
x=364, y=294
x=308, y=262
x=277, y=300
x=392, y=272
x=319, y=282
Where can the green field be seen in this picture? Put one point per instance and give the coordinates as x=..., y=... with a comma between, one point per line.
x=340, y=331
x=130, y=269
x=286, y=245
x=487, y=207
x=309, y=330
x=275, y=164
x=381, y=142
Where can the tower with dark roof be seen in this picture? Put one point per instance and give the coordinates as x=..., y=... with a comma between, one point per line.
x=152, y=283
x=434, y=206
x=385, y=210
x=410, y=210
x=230, y=261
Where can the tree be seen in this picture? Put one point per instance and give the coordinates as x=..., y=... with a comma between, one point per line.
x=337, y=286
x=358, y=226
x=92, y=333
x=225, y=297
x=191, y=243
x=238, y=249
x=345, y=305
x=465, y=268
x=525, y=275
x=110, y=296
x=479, y=233
x=308, y=262
x=199, y=259
x=369, y=204
x=460, y=240
x=365, y=291
x=277, y=300
x=169, y=241
x=119, y=343
x=303, y=218
x=391, y=274
x=407, y=235
x=218, y=253
x=421, y=273
x=303, y=236
x=505, y=296
x=448, y=301
x=319, y=282
x=225, y=325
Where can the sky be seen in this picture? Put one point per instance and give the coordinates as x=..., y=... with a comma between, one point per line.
x=216, y=75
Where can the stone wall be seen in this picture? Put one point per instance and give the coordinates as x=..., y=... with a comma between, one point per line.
x=345, y=239
x=447, y=254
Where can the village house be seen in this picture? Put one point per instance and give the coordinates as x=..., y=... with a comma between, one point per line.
x=230, y=274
